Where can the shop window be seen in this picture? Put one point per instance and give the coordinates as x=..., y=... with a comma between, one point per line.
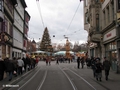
x=110, y=46
x=114, y=45
x=118, y=44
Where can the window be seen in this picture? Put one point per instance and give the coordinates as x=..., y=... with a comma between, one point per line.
x=97, y=22
x=111, y=46
x=1, y=5
x=10, y=6
x=112, y=6
x=86, y=17
x=104, y=18
x=86, y=2
x=108, y=14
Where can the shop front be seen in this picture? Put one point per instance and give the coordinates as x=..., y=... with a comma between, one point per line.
x=111, y=48
x=111, y=54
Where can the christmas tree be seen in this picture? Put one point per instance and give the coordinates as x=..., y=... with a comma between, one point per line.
x=45, y=44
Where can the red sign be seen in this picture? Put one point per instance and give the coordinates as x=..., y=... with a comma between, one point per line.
x=108, y=35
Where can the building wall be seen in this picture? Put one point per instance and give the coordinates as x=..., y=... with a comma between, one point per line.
x=20, y=9
x=108, y=43
x=18, y=21
x=18, y=30
x=18, y=39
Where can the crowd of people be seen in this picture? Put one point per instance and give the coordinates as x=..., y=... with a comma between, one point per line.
x=16, y=66
x=97, y=67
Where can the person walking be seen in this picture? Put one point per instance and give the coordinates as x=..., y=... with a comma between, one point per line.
x=2, y=68
x=57, y=60
x=9, y=67
x=82, y=62
x=78, y=62
x=49, y=60
x=25, y=63
x=15, y=66
x=98, y=70
x=93, y=62
x=20, y=66
x=106, y=65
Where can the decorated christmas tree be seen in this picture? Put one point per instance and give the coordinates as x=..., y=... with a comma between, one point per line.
x=45, y=44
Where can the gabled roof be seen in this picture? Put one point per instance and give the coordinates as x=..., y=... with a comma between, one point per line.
x=34, y=42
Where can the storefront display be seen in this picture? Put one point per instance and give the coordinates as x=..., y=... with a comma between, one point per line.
x=111, y=54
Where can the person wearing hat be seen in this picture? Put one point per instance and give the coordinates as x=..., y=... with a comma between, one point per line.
x=106, y=65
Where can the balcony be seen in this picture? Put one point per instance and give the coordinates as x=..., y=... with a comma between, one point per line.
x=96, y=37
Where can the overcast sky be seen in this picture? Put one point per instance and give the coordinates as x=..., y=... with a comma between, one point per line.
x=56, y=16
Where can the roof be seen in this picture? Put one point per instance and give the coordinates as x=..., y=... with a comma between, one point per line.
x=39, y=52
x=33, y=41
x=63, y=53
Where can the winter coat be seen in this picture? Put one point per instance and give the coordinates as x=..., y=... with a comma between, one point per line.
x=106, y=65
x=98, y=67
x=78, y=60
x=10, y=66
x=2, y=66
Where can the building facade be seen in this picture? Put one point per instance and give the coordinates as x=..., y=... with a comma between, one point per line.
x=102, y=39
x=12, y=28
x=6, y=27
x=25, y=34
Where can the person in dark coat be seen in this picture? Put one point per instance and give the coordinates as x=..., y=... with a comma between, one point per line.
x=57, y=60
x=98, y=72
x=15, y=62
x=28, y=63
x=106, y=65
x=25, y=63
x=2, y=68
x=93, y=62
x=9, y=67
x=82, y=62
x=78, y=62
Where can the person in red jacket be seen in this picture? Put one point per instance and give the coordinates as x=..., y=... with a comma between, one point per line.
x=37, y=61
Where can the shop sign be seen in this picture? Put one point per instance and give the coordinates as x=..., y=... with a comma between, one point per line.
x=109, y=35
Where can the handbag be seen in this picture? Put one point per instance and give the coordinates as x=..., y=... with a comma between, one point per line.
x=14, y=72
x=23, y=69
